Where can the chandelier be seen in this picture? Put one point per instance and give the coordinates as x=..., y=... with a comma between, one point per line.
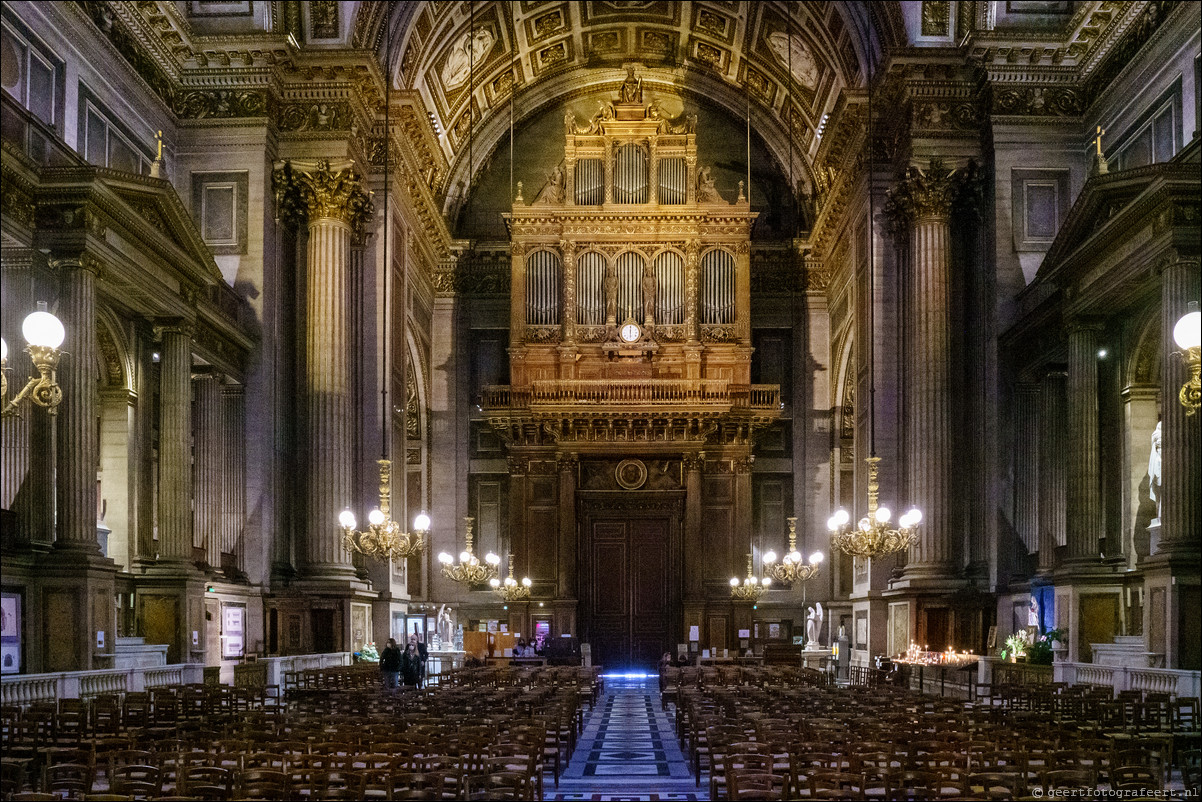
x=383, y=539
x=872, y=536
x=791, y=567
x=45, y=334
x=751, y=588
x=511, y=590
x=469, y=570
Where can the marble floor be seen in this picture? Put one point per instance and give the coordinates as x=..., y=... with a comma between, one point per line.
x=628, y=750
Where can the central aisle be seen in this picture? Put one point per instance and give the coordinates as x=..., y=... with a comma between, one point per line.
x=628, y=750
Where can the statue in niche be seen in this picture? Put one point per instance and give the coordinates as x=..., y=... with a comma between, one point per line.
x=707, y=192
x=1154, y=474
x=648, y=296
x=814, y=617
x=610, y=285
x=631, y=90
x=552, y=191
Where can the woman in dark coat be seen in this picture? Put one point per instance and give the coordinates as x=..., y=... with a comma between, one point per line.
x=390, y=665
x=411, y=666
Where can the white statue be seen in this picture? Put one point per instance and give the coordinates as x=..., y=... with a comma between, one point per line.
x=813, y=626
x=446, y=631
x=1154, y=473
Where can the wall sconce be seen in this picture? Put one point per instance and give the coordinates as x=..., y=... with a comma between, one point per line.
x=45, y=334
x=1188, y=335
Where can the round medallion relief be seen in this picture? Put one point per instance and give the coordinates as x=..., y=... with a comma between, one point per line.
x=631, y=474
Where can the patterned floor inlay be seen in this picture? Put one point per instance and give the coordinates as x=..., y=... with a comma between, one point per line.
x=628, y=751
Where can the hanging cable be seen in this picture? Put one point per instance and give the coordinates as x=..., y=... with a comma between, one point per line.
x=513, y=90
x=871, y=256
x=384, y=378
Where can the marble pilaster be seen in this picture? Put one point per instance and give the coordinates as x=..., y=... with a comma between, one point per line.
x=233, y=491
x=1084, y=509
x=175, y=444
x=208, y=466
x=1052, y=468
x=1026, y=464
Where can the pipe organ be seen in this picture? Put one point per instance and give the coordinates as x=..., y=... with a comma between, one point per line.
x=630, y=346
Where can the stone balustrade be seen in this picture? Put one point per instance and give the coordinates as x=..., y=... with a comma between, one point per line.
x=25, y=689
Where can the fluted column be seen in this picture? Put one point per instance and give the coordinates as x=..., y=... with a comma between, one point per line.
x=1181, y=478
x=517, y=293
x=653, y=172
x=233, y=490
x=336, y=208
x=1026, y=464
x=175, y=443
x=78, y=446
x=743, y=292
x=922, y=204
x=1084, y=482
x=1052, y=474
x=208, y=466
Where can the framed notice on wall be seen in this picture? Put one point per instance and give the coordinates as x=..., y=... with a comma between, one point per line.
x=233, y=630
x=10, y=633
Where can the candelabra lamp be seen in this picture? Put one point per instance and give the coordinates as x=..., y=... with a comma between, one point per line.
x=751, y=588
x=873, y=536
x=511, y=590
x=469, y=570
x=384, y=539
x=1188, y=335
x=44, y=334
x=792, y=568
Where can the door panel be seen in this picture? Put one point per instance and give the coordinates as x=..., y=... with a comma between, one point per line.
x=629, y=596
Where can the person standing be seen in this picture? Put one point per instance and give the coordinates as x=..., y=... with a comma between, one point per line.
x=411, y=665
x=423, y=653
x=390, y=665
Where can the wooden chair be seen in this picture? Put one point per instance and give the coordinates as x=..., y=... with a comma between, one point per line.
x=68, y=779
x=1134, y=778
x=747, y=784
x=991, y=785
x=425, y=785
x=263, y=784
x=136, y=781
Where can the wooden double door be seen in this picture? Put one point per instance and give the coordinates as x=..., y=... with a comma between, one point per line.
x=631, y=598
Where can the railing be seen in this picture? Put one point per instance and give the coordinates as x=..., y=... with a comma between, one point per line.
x=25, y=689
x=1021, y=674
x=1120, y=678
x=708, y=393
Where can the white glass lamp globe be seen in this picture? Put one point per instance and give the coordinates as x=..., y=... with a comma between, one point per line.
x=347, y=519
x=375, y=517
x=734, y=581
x=465, y=556
x=816, y=558
x=794, y=557
x=496, y=583
x=1188, y=331
x=767, y=581
x=526, y=581
x=769, y=557
x=492, y=559
x=422, y=522
x=445, y=558
x=510, y=582
x=43, y=329
x=3, y=349
x=883, y=515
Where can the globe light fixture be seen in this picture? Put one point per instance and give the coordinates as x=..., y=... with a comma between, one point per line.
x=1188, y=336
x=469, y=570
x=872, y=536
x=383, y=539
x=792, y=567
x=511, y=590
x=44, y=334
x=751, y=588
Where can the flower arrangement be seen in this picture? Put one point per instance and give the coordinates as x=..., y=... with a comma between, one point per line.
x=1038, y=651
x=368, y=653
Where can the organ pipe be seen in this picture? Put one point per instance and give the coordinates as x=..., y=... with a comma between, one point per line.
x=542, y=289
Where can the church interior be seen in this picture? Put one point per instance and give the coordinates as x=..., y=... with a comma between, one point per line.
x=731, y=399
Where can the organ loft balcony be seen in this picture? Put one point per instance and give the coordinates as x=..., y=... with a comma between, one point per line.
x=630, y=293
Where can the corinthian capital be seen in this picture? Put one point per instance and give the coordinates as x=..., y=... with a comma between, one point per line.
x=316, y=190
x=931, y=193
